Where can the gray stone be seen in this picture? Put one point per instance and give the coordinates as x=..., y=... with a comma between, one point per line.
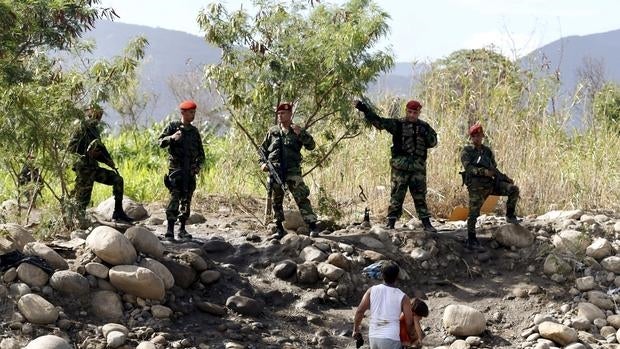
x=70, y=282
x=49, y=342
x=244, y=305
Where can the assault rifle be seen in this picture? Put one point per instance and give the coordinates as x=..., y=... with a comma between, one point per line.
x=274, y=176
x=102, y=153
x=485, y=162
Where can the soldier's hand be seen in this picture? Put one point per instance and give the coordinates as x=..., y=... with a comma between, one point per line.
x=177, y=136
x=361, y=106
x=489, y=173
x=296, y=129
x=264, y=167
x=94, y=153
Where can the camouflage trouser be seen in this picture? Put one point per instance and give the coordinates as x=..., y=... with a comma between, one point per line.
x=180, y=195
x=416, y=183
x=85, y=178
x=300, y=193
x=479, y=193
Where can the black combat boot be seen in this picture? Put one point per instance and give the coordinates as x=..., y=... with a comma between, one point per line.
x=280, y=231
x=510, y=215
x=183, y=234
x=472, y=243
x=391, y=221
x=314, y=230
x=428, y=227
x=119, y=214
x=170, y=231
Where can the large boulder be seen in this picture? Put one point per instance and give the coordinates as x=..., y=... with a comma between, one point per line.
x=107, y=305
x=13, y=237
x=590, y=311
x=70, y=282
x=111, y=246
x=599, y=249
x=32, y=275
x=572, y=241
x=160, y=270
x=137, y=281
x=49, y=342
x=516, y=235
x=293, y=220
x=47, y=253
x=244, y=305
x=37, y=309
x=558, y=333
x=556, y=265
x=133, y=209
x=462, y=320
x=145, y=241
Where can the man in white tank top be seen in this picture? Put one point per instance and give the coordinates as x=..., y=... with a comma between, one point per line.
x=386, y=302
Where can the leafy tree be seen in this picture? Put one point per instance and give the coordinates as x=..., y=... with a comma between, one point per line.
x=607, y=105
x=315, y=55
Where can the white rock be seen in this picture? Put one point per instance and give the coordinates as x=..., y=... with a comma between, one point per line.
x=558, y=333
x=585, y=283
x=138, y=281
x=559, y=215
x=160, y=270
x=49, y=342
x=590, y=311
x=111, y=246
x=462, y=320
x=47, y=253
x=37, y=310
x=572, y=241
x=145, y=241
x=32, y=275
x=611, y=263
x=97, y=269
x=599, y=249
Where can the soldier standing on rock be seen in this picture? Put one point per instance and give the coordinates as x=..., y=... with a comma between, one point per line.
x=411, y=139
x=186, y=157
x=86, y=143
x=483, y=179
x=282, y=147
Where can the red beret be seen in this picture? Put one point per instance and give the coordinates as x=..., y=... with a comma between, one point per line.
x=187, y=105
x=475, y=129
x=284, y=106
x=413, y=104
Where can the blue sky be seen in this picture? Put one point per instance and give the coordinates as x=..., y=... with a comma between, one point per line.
x=430, y=29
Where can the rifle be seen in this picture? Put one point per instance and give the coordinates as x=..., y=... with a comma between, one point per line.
x=186, y=172
x=103, y=153
x=485, y=162
x=274, y=176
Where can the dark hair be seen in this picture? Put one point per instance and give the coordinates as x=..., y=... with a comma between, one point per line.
x=389, y=271
x=419, y=308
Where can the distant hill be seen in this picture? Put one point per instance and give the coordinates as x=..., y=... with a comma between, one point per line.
x=174, y=53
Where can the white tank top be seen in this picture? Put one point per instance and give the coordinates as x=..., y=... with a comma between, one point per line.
x=385, y=309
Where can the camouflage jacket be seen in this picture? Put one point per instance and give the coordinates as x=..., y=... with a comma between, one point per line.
x=190, y=146
x=410, y=141
x=475, y=161
x=80, y=140
x=283, y=149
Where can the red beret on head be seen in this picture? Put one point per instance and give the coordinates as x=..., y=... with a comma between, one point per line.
x=413, y=104
x=187, y=105
x=284, y=106
x=475, y=129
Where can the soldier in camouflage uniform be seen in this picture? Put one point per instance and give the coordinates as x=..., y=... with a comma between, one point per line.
x=86, y=143
x=186, y=157
x=282, y=147
x=411, y=139
x=483, y=179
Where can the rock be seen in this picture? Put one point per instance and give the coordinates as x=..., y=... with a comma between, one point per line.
x=293, y=220
x=581, y=323
x=312, y=254
x=107, y=305
x=462, y=320
x=373, y=256
x=540, y=318
x=459, y=344
x=558, y=333
x=160, y=270
x=111, y=246
x=612, y=264
x=607, y=331
x=97, y=269
x=216, y=246
x=47, y=253
x=134, y=210
x=285, y=269
x=339, y=260
x=601, y=300
x=585, y=283
x=590, y=311
x=13, y=237
x=49, y=342
x=560, y=215
x=196, y=261
x=575, y=346
x=209, y=276
x=599, y=249
x=115, y=339
x=516, y=235
x=9, y=343
x=161, y=312
x=146, y=345
x=19, y=289
x=184, y=275
x=37, y=310
x=244, y=305
x=420, y=254
x=138, y=281
x=617, y=227
x=32, y=275
x=614, y=320
x=211, y=308
x=70, y=282
x=111, y=327
x=372, y=243
x=145, y=241
x=556, y=265
x=307, y=273
x=330, y=271
x=195, y=218
x=571, y=241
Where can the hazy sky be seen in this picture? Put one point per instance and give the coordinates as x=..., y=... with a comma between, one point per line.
x=423, y=30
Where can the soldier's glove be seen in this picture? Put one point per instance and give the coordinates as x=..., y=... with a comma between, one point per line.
x=361, y=106
x=489, y=173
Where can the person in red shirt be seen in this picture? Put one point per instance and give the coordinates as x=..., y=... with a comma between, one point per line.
x=419, y=310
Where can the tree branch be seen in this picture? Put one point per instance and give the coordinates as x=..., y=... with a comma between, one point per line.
x=333, y=147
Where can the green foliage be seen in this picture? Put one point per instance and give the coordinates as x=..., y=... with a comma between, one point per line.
x=317, y=57
x=607, y=105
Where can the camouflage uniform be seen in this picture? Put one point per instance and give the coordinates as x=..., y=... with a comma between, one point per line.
x=475, y=161
x=410, y=144
x=87, y=168
x=283, y=149
x=187, y=152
